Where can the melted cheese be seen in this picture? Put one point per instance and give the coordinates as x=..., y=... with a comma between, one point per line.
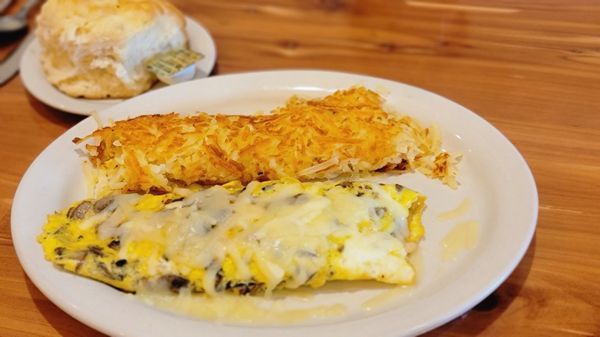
x=275, y=234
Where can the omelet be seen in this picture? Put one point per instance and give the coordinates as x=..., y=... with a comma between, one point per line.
x=240, y=239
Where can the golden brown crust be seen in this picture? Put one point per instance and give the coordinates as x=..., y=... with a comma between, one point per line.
x=345, y=133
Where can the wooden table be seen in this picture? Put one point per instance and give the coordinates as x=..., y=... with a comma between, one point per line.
x=532, y=68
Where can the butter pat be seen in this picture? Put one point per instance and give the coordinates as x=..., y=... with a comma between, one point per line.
x=174, y=66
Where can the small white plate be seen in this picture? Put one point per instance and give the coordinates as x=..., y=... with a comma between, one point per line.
x=493, y=176
x=35, y=81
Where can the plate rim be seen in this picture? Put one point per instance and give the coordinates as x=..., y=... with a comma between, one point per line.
x=37, y=93
x=463, y=306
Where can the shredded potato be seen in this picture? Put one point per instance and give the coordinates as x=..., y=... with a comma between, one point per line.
x=343, y=134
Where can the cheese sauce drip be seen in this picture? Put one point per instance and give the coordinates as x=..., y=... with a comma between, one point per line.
x=463, y=236
x=459, y=211
x=244, y=240
x=242, y=310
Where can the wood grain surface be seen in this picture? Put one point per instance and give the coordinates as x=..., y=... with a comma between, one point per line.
x=532, y=68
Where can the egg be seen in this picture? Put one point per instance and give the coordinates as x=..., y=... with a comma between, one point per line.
x=241, y=239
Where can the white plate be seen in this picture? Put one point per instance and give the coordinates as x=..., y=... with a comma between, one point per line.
x=35, y=81
x=493, y=175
